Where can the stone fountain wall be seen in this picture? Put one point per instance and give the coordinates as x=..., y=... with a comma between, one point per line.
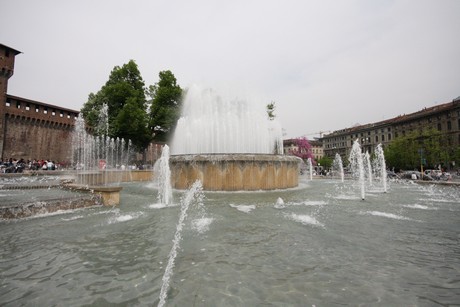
x=97, y=178
x=235, y=172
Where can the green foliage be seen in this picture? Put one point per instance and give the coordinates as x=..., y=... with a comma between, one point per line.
x=124, y=95
x=165, y=105
x=326, y=162
x=429, y=146
x=271, y=110
x=131, y=122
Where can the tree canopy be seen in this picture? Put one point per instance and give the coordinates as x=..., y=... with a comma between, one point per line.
x=165, y=106
x=124, y=96
x=303, y=150
x=428, y=147
x=271, y=110
x=120, y=108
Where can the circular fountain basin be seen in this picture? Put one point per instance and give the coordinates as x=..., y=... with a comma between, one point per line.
x=235, y=172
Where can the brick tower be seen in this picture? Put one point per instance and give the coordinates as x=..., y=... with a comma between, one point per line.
x=7, y=56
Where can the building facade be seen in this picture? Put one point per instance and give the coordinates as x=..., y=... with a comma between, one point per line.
x=31, y=129
x=444, y=118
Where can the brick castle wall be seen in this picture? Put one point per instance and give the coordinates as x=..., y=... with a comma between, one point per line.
x=34, y=130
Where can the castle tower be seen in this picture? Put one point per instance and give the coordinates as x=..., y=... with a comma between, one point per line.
x=7, y=56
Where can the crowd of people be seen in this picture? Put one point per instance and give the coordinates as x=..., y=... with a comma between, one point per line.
x=18, y=166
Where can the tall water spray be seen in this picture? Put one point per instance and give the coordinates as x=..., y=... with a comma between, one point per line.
x=381, y=167
x=91, y=154
x=214, y=124
x=337, y=166
x=162, y=174
x=310, y=168
x=194, y=194
x=103, y=122
x=357, y=165
x=368, y=167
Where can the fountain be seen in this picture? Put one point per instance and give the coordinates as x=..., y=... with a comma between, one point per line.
x=368, y=167
x=229, y=145
x=311, y=245
x=194, y=194
x=102, y=162
x=357, y=166
x=310, y=168
x=163, y=177
x=99, y=159
x=380, y=166
x=306, y=246
x=337, y=166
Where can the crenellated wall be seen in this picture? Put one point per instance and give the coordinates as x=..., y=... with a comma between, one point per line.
x=35, y=130
x=31, y=129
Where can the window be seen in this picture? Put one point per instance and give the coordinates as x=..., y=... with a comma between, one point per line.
x=449, y=125
x=37, y=109
x=389, y=136
x=27, y=107
x=389, y=129
x=61, y=114
x=53, y=112
x=68, y=115
x=18, y=105
x=439, y=127
x=7, y=103
x=45, y=110
x=383, y=137
x=376, y=138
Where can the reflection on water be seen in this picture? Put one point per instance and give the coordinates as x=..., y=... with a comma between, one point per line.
x=323, y=246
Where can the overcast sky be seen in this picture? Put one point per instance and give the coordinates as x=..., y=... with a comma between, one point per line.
x=328, y=65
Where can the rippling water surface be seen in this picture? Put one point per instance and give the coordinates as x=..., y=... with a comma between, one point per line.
x=324, y=246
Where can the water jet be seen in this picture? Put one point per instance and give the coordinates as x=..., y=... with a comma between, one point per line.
x=229, y=145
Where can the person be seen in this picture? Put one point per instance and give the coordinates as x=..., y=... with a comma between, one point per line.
x=50, y=165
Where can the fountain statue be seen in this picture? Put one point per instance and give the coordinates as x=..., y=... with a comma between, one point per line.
x=229, y=145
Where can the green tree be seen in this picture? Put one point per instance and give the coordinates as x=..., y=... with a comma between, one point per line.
x=124, y=94
x=271, y=110
x=326, y=162
x=165, y=106
x=429, y=146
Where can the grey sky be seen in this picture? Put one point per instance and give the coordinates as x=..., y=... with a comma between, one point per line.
x=327, y=64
